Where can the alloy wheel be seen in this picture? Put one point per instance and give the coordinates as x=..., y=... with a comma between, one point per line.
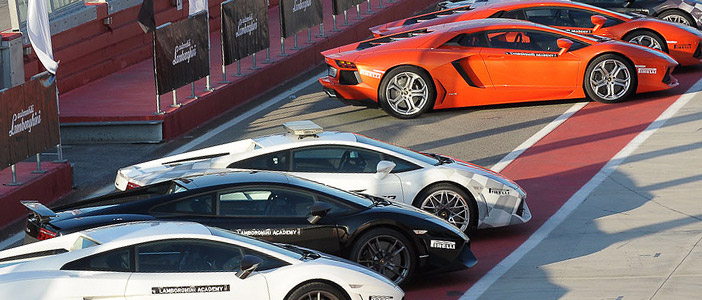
x=610, y=79
x=677, y=19
x=449, y=206
x=318, y=295
x=646, y=41
x=387, y=255
x=407, y=93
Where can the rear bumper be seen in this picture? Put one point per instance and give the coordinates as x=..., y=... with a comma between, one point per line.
x=356, y=95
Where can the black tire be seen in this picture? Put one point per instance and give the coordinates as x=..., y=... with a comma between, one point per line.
x=596, y=79
x=399, y=268
x=646, y=38
x=677, y=16
x=468, y=205
x=390, y=90
x=325, y=291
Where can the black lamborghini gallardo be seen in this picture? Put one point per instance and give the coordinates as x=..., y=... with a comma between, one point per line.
x=395, y=239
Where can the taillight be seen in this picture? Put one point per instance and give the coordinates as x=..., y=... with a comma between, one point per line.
x=345, y=64
x=45, y=234
x=131, y=185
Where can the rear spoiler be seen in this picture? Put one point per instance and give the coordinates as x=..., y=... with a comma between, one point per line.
x=437, y=14
x=43, y=213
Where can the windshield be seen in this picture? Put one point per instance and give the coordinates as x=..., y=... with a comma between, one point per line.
x=404, y=151
x=259, y=243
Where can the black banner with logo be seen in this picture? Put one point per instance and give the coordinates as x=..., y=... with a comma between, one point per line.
x=244, y=29
x=180, y=53
x=28, y=119
x=339, y=6
x=298, y=15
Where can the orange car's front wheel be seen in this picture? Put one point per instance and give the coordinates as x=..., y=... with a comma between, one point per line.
x=609, y=78
x=406, y=92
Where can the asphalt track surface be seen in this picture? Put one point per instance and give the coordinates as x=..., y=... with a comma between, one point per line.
x=551, y=170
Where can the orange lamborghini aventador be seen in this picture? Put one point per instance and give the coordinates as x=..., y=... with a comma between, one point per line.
x=680, y=41
x=490, y=61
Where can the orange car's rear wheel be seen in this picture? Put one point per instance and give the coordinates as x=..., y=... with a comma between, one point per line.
x=406, y=92
x=609, y=79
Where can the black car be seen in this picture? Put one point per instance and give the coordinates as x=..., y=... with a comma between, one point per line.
x=395, y=239
x=688, y=12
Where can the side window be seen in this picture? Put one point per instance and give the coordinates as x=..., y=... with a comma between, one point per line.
x=196, y=205
x=524, y=40
x=401, y=165
x=277, y=161
x=335, y=160
x=257, y=201
x=469, y=40
x=195, y=256
x=514, y=14
x=582, y=19
x=547, y=16
x=112, y=261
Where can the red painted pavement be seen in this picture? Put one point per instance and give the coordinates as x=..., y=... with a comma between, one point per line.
x=552, y=171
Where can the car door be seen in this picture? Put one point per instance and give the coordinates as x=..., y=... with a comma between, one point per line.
x=345, y=167
x=192, y=269
x=277, y=214
x=525, y=65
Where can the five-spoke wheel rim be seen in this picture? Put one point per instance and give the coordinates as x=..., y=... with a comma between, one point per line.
x=318, y=295
x=449, y=206
x=676, y=19
x=386, y=255
x=407, y=93
x=610, y=79
x=646, y=41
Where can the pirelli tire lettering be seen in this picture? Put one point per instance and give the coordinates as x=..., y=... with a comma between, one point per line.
x=191, y=289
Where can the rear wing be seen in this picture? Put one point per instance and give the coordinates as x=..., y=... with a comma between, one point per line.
x=42, y=213
x=391, y=38
x=436, y=14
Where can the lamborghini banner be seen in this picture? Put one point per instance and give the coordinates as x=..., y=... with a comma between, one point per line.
x=298, y=15
x=339, y=6
x=28, y=119
x=244, y=29
x=180, y=53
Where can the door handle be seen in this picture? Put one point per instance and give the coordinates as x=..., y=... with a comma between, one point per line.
x=496, y=56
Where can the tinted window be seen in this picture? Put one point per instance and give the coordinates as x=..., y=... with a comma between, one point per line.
x=524, y=40
x=277, y=161
x=565, y=17
x=401, y=165
x=115, y=261
x=195, y=256
x=197, y=205
x=469, y=40
x=335, y=160
x=260, y=201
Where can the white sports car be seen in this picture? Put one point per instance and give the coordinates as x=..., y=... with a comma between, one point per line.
x=466, y=195
x=180, y=260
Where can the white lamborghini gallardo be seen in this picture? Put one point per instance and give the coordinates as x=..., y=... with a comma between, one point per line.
x=180, y=260
x=466, y=195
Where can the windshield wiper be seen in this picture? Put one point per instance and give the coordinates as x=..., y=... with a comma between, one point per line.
x=442, y=159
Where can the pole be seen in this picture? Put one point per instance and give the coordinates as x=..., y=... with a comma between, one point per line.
x=334, y=21
x=175, y=100
x=158, y=97
x=358, y=11
x=14, y=177
x=295, y=47
x=268, y=56
x=282, y=47
x=158, y=105
x=369, y=7
x=253, y=66
x=192, y=91
x=38, y=170
x=346, y=19
x=208, y=81
x=380, y=4
x=309, y=36
x=321, y=30
x=238, y=69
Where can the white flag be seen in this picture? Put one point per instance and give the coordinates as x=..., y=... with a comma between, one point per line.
x=196, y=6
x=40, y=35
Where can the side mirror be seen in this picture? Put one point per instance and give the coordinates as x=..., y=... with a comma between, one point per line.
x=384, y=168
x=248, y=264
x=599, y=21
x=564, y=44
x=318, y=211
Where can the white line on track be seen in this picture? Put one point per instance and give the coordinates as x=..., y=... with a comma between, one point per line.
x=508, y=262
x=509, y=158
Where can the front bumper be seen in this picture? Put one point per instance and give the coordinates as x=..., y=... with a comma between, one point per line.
x=444, y=260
